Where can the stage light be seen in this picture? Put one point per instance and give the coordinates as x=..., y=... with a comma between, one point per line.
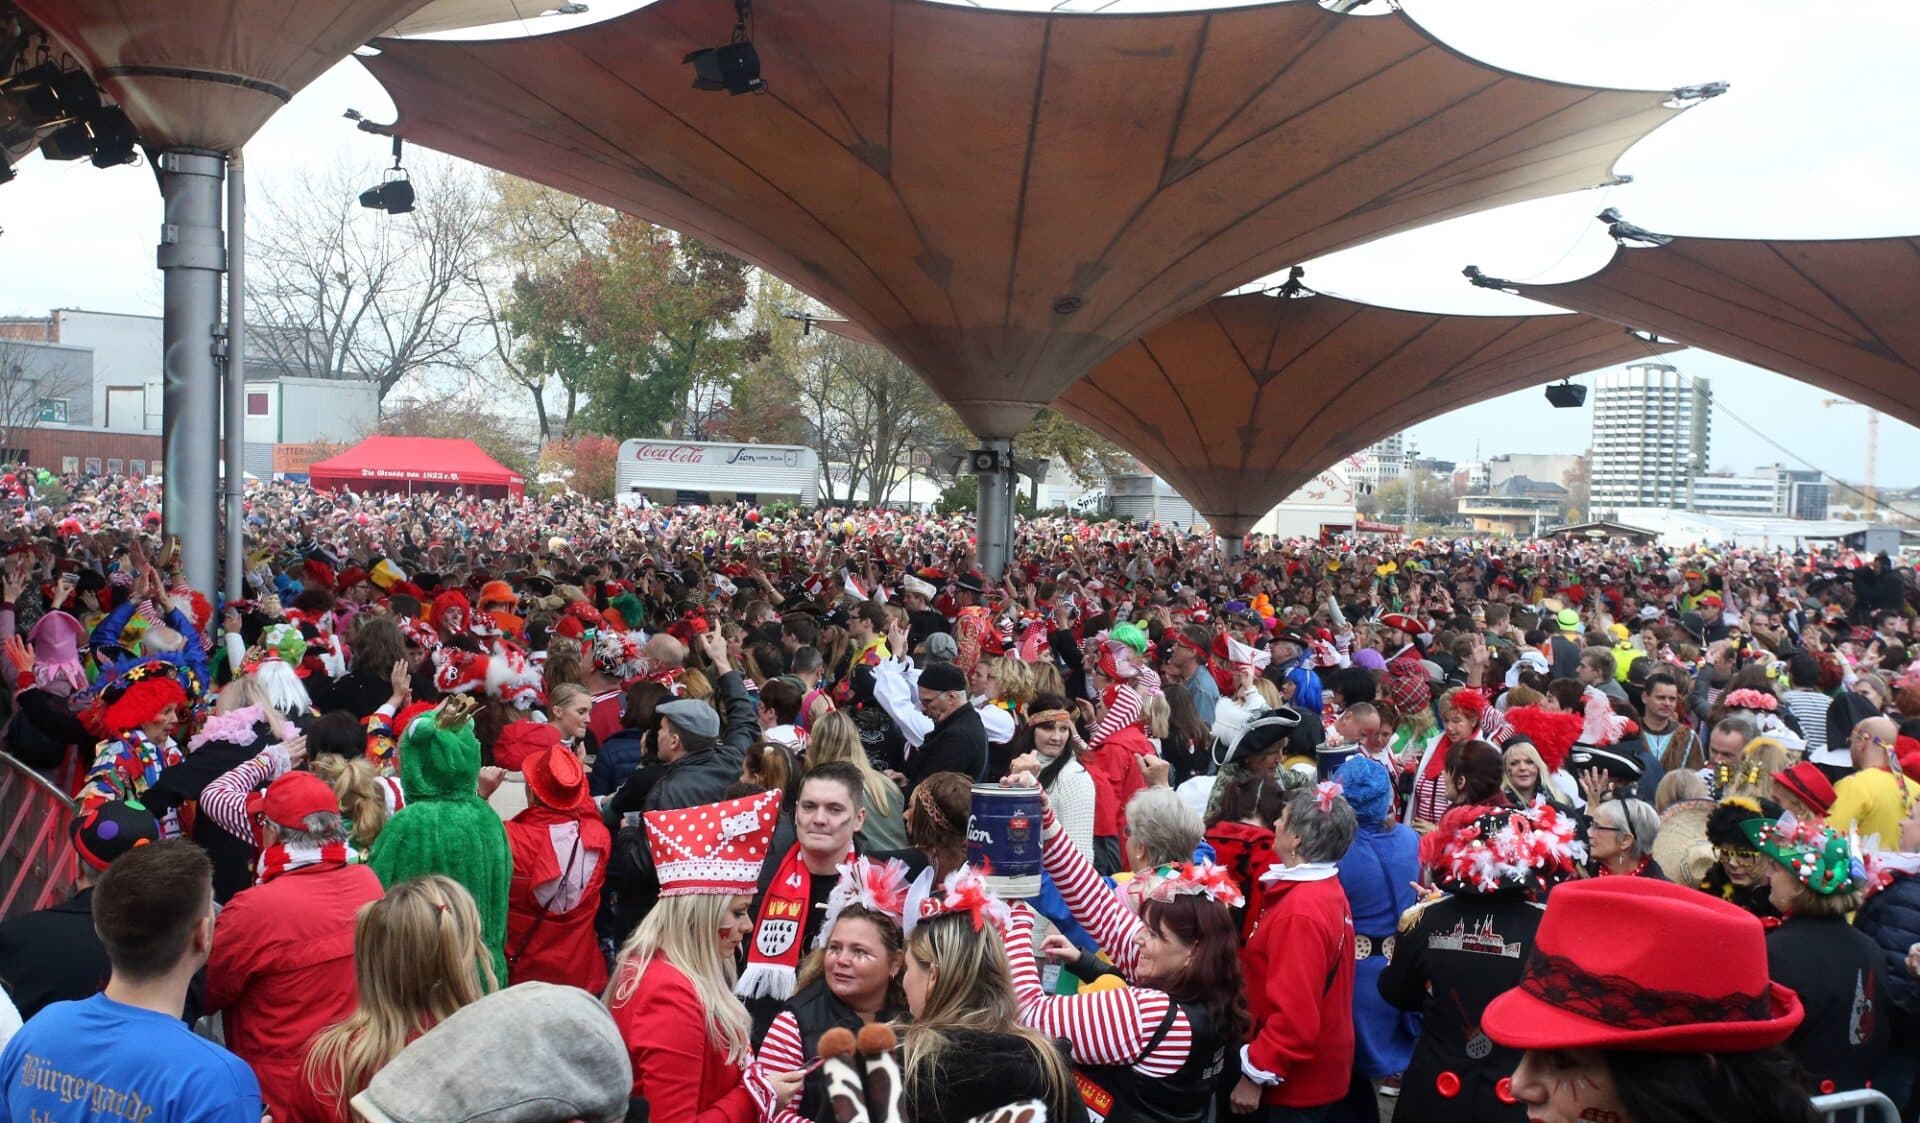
x=735, y=67
x=1567, y=395
x=984, y=461
x=395, y=195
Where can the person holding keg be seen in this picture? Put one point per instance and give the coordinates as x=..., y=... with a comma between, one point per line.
x=1159, y=1048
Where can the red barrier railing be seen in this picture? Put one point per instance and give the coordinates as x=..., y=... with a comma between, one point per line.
x=38, y=867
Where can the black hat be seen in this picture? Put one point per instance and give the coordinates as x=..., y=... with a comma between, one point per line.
x=970, y=583
x=943, y=676
x=112, y=829
x=1264, y=731
x=1725, y=822
x=1617, y=760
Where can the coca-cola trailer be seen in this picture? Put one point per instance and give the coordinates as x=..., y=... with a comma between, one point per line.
x=683, y=472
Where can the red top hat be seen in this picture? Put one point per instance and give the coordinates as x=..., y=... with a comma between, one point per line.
x=1632, y=963
x=555, y=778
x=716, y=848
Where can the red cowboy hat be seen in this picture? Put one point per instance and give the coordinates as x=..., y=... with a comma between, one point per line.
x=555, y=777
x=1633, y=963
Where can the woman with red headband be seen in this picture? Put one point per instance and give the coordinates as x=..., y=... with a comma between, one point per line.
x=1462, y=711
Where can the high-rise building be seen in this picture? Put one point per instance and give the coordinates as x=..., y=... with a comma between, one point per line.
x=1650, y=436
x=1802, y=492
x=1386, y=459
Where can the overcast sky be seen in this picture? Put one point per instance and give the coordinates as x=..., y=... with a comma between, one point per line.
x=1814, y=140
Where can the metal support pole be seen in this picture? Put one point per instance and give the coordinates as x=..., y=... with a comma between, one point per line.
x=994, y=534
x=192, y=255
x=236, y=427
x=1232, y=546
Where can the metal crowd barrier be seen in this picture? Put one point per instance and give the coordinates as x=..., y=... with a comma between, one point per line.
x=38, y=867
x=1862, y=1106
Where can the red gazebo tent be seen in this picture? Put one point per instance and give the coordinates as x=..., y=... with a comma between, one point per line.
x=412, y=464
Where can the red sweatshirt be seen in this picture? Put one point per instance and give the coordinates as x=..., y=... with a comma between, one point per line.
x=1299, y=970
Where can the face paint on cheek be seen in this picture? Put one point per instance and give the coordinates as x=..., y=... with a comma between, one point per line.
x=1600, y=1115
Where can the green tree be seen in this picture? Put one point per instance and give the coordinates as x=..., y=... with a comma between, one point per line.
x=646, y=331
x=1087, y=454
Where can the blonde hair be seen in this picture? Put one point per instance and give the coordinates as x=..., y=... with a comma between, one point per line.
x=1753, y=776
x=696, y=684
x=1268, y=692
x=417, y=958
x=972, y=989
x=1046, y=678
x=1543, y=776
x=560, y=693
x=682, y=930
x=248, y=691
x=1523, y=695
x=1014, y=677
x=835, y=737
x=1677, y=786
x=357, y=783
x=1155, y=715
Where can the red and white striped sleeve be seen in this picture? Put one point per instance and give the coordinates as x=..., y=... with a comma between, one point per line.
x=781, y=1052
x=1124, y=712
x=1092, y=903
x=1109, y=1027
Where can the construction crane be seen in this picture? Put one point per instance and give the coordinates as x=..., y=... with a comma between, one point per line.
x=1873, y=447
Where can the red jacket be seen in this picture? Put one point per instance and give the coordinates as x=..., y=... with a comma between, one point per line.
x=1299, y=971
x=1244, y=851
x=563, y=948
x=677, y=1068
x=282, y=970
x=1116, y=777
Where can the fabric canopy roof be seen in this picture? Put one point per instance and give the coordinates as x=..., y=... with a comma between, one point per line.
x=407, y=463
x=208, y=73
x=1241, y=401
x=1838, y=314
x=1002, y=198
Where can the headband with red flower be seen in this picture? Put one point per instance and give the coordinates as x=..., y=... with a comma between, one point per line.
x=965, y=892
x=877, y=886
x=1202, y=878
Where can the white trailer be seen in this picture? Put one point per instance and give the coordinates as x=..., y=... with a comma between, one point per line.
x=688, y=472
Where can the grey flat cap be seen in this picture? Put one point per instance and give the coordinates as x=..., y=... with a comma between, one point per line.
x=940, y=647
x=535, y=1053
x=692, y=716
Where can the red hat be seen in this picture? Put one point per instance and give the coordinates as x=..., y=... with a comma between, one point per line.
x=716, y=848
x=318, y=574
x=289, y=800
x=459, y=672
x=351, y=576
x=555, y=777
x=570, y=627
x=1633, y=963
x=521, y=741
x=1808, y=784
x=1711, y=599
x=1403, y=622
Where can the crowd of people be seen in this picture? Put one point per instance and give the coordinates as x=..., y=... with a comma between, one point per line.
x=551, y=810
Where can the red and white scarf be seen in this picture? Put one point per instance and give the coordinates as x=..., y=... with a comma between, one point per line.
x=281, y=858
x=773, y=958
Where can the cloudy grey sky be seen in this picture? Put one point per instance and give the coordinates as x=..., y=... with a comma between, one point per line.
x=1814, y=140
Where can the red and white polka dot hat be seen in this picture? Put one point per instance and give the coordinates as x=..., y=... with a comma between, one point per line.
x=716, y=848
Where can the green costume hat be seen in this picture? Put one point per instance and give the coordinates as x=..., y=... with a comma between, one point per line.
x=446, y=828
x=1131, y=635
x=1818, y=857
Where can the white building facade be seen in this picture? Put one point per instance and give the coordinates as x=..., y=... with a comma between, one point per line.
x=1651, y=434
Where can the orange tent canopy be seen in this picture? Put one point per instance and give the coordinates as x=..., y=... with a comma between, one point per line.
x=1004, y=199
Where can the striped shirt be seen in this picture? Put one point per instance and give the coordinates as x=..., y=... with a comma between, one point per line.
x=1110, y=1027
x=781, y=1052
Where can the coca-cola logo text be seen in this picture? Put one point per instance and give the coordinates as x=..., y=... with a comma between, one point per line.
x=670, y=454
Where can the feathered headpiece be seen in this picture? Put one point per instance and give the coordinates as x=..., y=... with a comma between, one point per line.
x=965, y=892
x=515, y=680
x=618, y=655
x=1509, y=849
x=876, y=886
x=1202, y=878
x=1553, y=734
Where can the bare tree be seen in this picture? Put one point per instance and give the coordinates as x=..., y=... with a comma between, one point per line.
x=339, y=291
x=34, y=390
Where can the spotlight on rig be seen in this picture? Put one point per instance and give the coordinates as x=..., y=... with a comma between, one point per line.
x=1567, y=395
x=734, y=67
x=395, y=194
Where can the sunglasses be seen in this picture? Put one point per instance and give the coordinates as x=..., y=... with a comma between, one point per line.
x=1738, y=857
